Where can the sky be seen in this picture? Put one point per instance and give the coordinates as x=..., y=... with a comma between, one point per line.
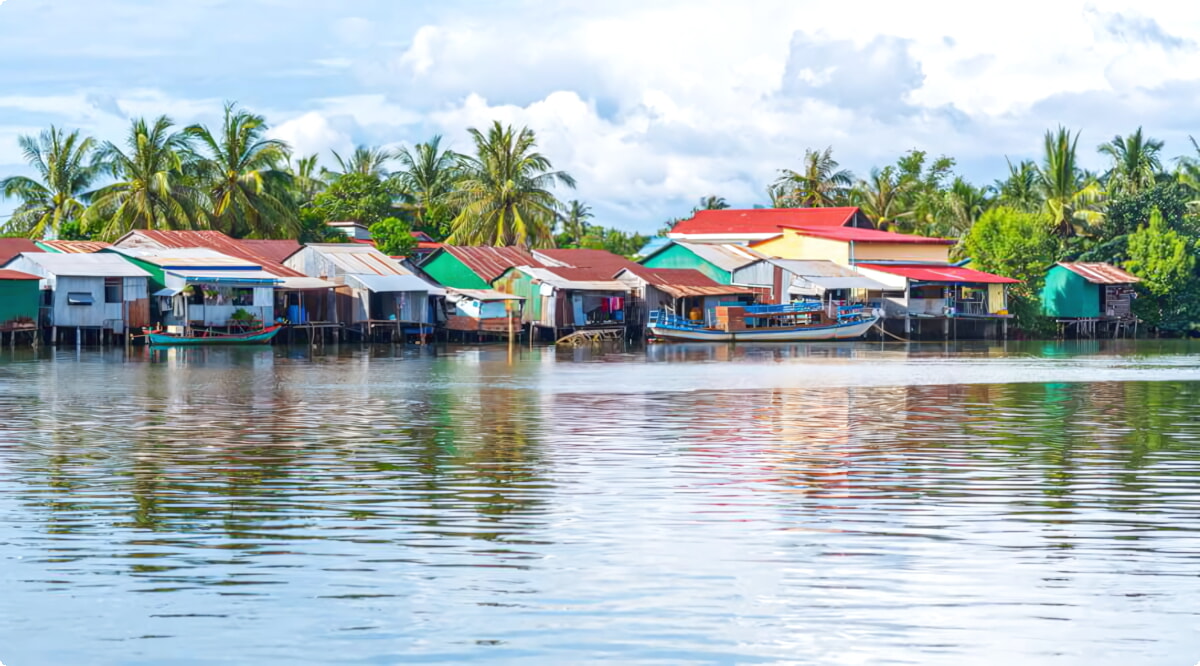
x=650, y=105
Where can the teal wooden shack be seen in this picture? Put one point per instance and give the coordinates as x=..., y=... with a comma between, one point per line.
x=20, y=299
x=1088, y=291
x=464, y=267
x=717, y=261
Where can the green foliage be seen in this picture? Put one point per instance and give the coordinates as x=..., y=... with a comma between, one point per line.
x=503, y=196
x=1128, y=213
x=1020, y=245
x=66, y=165
x=428, y=173
x=819, y=183
x=1165, y=261
x=355, y=197
x=393, y=237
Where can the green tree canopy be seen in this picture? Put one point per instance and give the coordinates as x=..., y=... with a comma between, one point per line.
x=1165, y=260
x=66, y=166
x=355, y=197
x=1020, y=245
x=393, y=237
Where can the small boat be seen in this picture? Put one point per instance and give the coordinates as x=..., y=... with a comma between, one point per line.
x=261, y=336
x=792, y=322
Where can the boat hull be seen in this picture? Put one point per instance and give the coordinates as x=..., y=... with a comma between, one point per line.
x=251, y=338
x=846, y=331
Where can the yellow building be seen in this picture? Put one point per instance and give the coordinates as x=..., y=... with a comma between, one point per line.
x=851, y=245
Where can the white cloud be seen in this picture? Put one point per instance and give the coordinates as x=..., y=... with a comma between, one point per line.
x=312, y=133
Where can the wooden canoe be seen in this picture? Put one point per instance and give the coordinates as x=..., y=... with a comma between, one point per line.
x=261, y=336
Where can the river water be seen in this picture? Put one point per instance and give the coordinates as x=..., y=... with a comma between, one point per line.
x=824, y=504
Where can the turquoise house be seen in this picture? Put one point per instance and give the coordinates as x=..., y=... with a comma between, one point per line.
x=1088, y=291
x=717, y=261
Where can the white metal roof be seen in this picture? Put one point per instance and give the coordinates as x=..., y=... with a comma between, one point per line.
x=85, y=265
x=389, y=283
x=198, y=257
x=726, y=256
x=547, y=276
x=483, y=295
x=199, y=274
x=359, y=259
x=302, y=283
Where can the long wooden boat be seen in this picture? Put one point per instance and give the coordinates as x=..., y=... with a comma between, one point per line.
x=251, y=338
x=794, y=322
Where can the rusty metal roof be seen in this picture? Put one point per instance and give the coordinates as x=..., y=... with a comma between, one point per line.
x=490, y=263
x=1100, y=273
x=275, y=250
x=214, y=240
x=75, y=247
x=359, y=259
x=6, y=274
x=11, y=247
x=681, y=282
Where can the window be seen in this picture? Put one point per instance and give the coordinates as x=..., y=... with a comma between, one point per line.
x=79, y=298
x=243, y=296
x=112, y=290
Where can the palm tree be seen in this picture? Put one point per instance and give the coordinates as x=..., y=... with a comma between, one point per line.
x=1135, y=162
x=368, y=161
x=244, y=177
x=152, y=189
x=1069, y=195
x=306, y=184
x=427, y=173
x=1021, y=189
x=820, y=184
x=965, y=203
x=574, y=222
x=504, y=197
x=712, y=202
x=881, y=196
x=66, y=166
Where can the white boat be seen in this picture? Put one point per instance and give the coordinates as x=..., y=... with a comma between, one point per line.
x=795, y=322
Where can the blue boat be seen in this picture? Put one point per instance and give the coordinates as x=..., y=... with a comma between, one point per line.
x=258, y=337
x=792, y=322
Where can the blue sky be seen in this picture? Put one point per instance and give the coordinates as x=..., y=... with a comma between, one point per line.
x=649, y=105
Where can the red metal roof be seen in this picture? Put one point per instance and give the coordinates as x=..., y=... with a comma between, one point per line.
x=490, y=262
x=6, y=274
x=601, y=260
x=857, y=235
x=275, y=250
x=11, y=247
x=215, y=240
x=935, y=273
x=1100, y=273
x=76, y=247
x=762, y=220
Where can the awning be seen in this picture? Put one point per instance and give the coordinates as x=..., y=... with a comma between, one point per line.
x=846, y=282
x=939, y=274
x=260, y=278
x=167, y=292
x=304, y=283
x=482, y=295
x=685, y=291
x=390, y=283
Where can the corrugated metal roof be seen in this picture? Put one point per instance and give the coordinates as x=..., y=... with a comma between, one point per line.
x=681, y=282
x=724, y=256
x=483, y=294
x=761, y=220
x=813, y=267
x=358, y=259
x=843, y=282
x=74, y=247
x=935, y=273
x=191, y=257
x=602, y=261
x=848, y=234
x=7, y=274
x=575, y=279
x=490, y=263
x=275, y=250
x=11, y=247
x=213, y=240
x=391, y=283
x=1100, y=273
x=85, y=265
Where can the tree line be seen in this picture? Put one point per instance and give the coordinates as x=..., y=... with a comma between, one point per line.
x=235, y=179
x=1141, y=213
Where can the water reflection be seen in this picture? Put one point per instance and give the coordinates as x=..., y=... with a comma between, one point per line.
x=276, y=505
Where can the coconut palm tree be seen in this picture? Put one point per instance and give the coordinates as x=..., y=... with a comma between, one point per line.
x=306, y=184
x=1021, y=188
x=1069, y=195
x=504, y=196
x=712, y=202
x=66, y=166
x=965, y=203
x=574, y=221
x=1135, y=162
x=881, y=197
x=243, y=173
x=819, y=184
x=365, y=160
x=427, y=173
x=153, y=188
